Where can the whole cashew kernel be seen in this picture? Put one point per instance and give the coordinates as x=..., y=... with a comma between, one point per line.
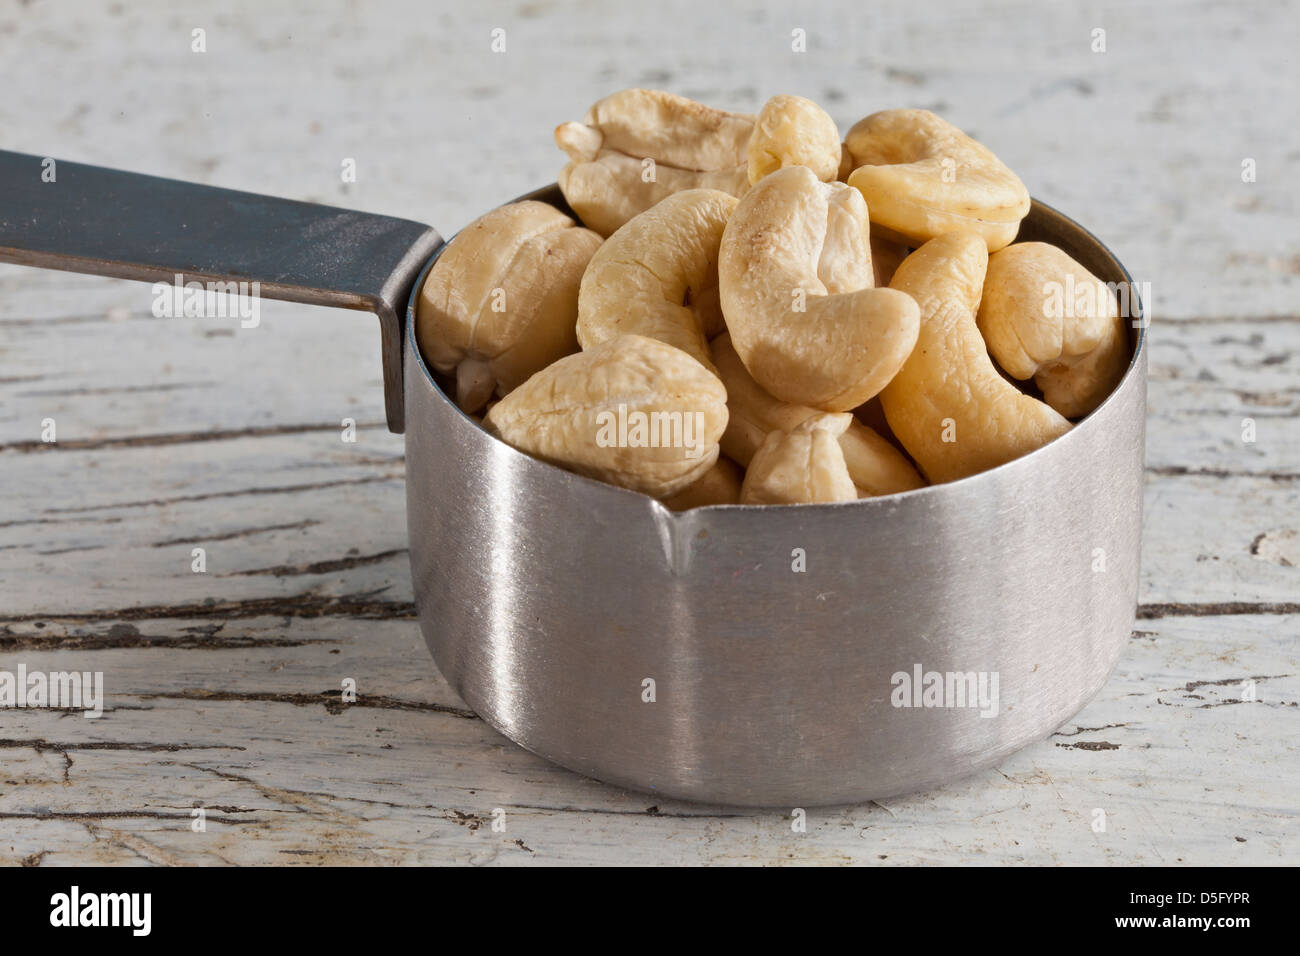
x=794, y=131
x=631, y=411
x=803, y=465
x=637, y=146
x=640, y=280
x=720, y=485
x=949, y=406
x=502, y=299
x=922, y=177
x=795, y=277
x=875, y=466
x=1046, y=317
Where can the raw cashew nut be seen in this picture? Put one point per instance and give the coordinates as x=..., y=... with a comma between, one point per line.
x=922, y=177
x=951, y=409
x=793, y=131
x=638, y=146
x=720, y=485
x=795, y=275
x=875, y=465
x=1048, y=318
x=640, y=280
x=631, y=411
x=502, y=299
x=804, y=465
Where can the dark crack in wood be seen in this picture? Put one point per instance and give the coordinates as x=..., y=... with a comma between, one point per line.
x=176, y=438
x=331, y=700
x=318, y=567
x=1150, y=612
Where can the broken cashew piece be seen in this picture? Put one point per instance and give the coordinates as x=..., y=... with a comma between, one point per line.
x=949, y=406
x=720, y=485
x=802, y=466
x=794, y=272
x=632, y=412
x=1046, y=317
x=636, y=147
x=794, y=131
x=875, y=466
x=923, y=177
x=640, y=281
x=502, y=299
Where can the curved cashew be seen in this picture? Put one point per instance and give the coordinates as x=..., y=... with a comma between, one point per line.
x=875, y=465
x=1046, y=317
x=639, y=281
x=638, y=146
x=951, y=409
x=502, y=299
x=923, y=177
x=804, y=465
x=793, y=131
x=631, y=411
x=720, y=485
x=794, y=272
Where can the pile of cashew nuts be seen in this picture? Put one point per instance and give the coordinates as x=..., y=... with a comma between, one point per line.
x=752, y=311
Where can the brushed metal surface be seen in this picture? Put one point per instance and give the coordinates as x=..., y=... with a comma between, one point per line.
x=547, y=599
x=108, y=222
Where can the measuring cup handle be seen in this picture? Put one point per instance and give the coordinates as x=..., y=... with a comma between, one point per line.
x=79, y=218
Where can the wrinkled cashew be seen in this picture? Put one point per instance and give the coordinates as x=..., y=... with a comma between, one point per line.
x=1046, y=317
x=801, y=466
x=793, y=131
x=631, y=411
x=720, y=485
x=795, y=276
x=949, y=406
x=502, y=299
x=639, y=281
x=876, y=466
x=636, y=147
x=922, y=177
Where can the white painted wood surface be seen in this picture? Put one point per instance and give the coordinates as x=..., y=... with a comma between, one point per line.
x=223, y=687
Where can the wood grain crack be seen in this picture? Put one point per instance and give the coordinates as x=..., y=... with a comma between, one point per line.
x=331, y=700
x=176, y=438
x=243, y=492
x=41, y=745
x=647, y=812
x=123, y=636
x=1186, y=471
x=239, y=533
x=1149, y=612
x=318, y=567
x=93, y=815
x=361, y=606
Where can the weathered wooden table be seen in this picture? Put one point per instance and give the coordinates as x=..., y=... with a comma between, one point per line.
x=223, y=687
